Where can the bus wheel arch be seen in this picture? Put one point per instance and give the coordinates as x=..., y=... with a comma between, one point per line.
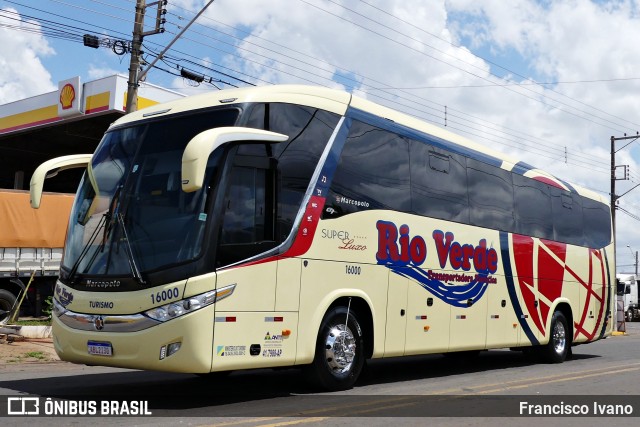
x=365, y=317
x=344, y=341
x=558, y=349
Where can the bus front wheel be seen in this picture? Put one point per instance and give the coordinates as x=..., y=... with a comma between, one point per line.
x=558, y=347
x=339, y=354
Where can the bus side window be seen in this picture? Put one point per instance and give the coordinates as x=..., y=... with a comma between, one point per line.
x=567, y=217
x=438, y=183
x=597, y=220
x=247, y=225
x=373, y=172
x=490, y=196
x=532, y=207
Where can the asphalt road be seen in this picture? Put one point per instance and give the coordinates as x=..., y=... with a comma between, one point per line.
x=432, y=390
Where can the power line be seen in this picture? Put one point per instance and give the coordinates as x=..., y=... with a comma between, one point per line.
x=560, y=151
x=462, y=69
x=435, y=113
x=504, y=68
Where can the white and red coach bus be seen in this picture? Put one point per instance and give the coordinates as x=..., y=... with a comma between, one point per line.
x=292, y=225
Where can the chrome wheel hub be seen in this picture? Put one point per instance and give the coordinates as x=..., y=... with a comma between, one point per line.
x=559, y=337
x=340, y=349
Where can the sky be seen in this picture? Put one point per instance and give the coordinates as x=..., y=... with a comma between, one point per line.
x=547, y=82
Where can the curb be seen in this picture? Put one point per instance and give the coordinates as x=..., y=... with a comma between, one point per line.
x=29, y=331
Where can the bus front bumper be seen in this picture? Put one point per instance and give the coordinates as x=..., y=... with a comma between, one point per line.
x=189, y=337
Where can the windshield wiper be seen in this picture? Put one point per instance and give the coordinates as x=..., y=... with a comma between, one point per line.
x=106, y=223
x=85, y=249
x=132, y=261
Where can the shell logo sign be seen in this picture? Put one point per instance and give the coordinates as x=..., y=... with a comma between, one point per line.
x=67, y=96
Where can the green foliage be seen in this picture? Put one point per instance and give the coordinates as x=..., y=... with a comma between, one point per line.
x=34, y=322
x=48, y=306
x=35, y=354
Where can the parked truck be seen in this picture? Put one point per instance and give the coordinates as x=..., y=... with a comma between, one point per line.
x=628, y=290
x=31, y=244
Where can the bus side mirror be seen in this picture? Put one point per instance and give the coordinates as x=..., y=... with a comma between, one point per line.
x=198, y=150
x=49, y=169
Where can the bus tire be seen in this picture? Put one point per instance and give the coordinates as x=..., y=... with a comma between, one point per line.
x=557, y=349
x=339, y=355
x=629, y=315
x=7, y=300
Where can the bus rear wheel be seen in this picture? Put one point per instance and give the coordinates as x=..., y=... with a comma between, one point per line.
x=558, y=347
x=339, y=354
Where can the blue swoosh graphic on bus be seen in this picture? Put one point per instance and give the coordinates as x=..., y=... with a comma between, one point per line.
x=455, y=295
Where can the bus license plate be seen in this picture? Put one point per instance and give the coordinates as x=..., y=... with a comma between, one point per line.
x=100, y=348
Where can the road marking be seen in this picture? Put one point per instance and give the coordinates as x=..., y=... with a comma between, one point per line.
x=402, y=401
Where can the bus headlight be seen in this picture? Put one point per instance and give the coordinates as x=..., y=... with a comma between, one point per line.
x=188, y=305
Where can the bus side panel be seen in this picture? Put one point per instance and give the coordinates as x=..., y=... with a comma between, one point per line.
x=545, y=274
x=396, y=315
x=255, y=287
x=469, y=326
x=244, y=340
x=288, y=284
x=323, y=282
x=428, y=320
x=588, y=322
x=503, y=329
x=248, y=333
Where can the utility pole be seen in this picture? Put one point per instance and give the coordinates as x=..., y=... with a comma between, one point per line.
x=135, y=74
x=136, y=47
x=614, y=196
x=134, y=65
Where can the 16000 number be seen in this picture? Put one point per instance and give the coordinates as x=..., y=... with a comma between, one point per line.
x=352, y=269
x=165, y=295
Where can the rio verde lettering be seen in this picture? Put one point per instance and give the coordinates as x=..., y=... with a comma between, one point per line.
x=461, y=256
x=397, y=247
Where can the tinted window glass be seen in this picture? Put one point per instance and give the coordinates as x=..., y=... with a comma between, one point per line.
x=245, y=231
x=568, y=224
x=532, y=207
x=490, y=196
x=373, y=172
x=438, y=183
x=309, y=130
x=597, y=222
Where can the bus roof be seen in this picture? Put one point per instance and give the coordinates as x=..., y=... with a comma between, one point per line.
x=337, y=101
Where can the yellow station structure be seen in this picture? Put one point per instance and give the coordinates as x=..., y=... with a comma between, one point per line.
x=70, y=120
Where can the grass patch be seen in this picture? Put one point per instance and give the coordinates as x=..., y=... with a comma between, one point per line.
x=34, y=322
x=35, y=354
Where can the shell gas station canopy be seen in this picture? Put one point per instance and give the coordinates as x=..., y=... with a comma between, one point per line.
x=70, y=120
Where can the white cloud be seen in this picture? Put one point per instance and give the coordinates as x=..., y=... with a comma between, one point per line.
x=21, y=71
x=96, y=72
x=294, y=41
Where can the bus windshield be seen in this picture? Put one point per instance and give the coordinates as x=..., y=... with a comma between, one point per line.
x=131, y=215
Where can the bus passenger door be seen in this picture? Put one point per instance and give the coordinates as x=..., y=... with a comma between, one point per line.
x=248, y=331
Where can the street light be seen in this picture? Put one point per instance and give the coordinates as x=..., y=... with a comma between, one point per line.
x=636, y=255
